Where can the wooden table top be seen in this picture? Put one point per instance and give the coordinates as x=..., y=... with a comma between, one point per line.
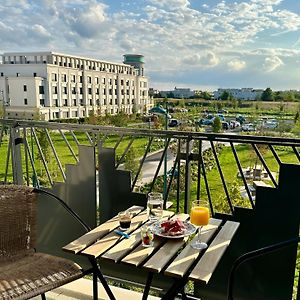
x=172, y=257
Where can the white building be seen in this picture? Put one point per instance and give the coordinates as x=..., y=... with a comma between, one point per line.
x=243, y=94
x=57, y=85
x=179, y=93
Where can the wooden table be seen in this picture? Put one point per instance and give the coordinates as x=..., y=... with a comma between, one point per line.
x=171, y=257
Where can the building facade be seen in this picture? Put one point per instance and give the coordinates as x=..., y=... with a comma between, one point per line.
x=179, y=93
x=243, y=94
x=59, y=86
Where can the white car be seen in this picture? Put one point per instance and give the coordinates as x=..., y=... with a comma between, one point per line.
x=248, y=127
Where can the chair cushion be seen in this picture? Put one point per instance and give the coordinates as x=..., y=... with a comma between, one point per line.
x=35, y=274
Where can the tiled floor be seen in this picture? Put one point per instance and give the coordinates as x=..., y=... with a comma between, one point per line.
x=82, y=289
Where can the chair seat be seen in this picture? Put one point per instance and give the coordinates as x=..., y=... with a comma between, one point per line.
x=34, y=274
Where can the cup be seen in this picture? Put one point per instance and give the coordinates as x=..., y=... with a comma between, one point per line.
x=124, y=220
x=147, y=236
x=155, y=206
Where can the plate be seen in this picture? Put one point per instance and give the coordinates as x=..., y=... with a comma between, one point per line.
x=190, y=229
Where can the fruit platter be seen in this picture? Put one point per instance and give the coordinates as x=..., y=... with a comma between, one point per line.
x=173, y=229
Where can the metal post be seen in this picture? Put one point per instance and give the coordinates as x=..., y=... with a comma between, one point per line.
x=16, y=155
x=166, y=156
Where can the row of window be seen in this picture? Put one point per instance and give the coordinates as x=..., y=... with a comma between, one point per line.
x=91, y=65
x=74, y=102
x=89, y=91
x=96, y=80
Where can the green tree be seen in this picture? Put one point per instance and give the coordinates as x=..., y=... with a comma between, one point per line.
x=267, y=95
x=217, y=125
x=225, y=96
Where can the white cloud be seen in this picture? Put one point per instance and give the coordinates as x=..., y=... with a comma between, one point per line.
x=172, y=34
x=236, y=65
x=272, y=63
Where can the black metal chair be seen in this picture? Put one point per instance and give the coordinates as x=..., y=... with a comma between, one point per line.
x=253, y=255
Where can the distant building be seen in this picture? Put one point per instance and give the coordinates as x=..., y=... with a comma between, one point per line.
x=179, y=93
x=56, y=86
x=243, y=94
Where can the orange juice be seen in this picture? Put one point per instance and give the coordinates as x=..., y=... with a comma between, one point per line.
x=199, y=215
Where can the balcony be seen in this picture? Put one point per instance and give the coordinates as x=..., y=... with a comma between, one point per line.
x=83, y=164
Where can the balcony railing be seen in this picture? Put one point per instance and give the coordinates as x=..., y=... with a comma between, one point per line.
x=226, y=169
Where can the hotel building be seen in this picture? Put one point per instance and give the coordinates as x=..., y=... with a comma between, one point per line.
x=60, y=86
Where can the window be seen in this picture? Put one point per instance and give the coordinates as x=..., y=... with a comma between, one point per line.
x=18, y=74
x=56, y=103
x=122, y=81
x=65, y=102
x=41, y=90
x=90, y=91
x=103, y=80
x=64, y=77
x=80, y=79
x=110, y=91
x=42, y=102
x=54, y=77
x=65, y=90
x=54, y=90
x=89, y=79
x=73, y=78
x=80, y=91
x=91, y=102
x=2, y=74
x=73, y=90
x=34, y=74
x=25, y=101
x=25, y=88
x=74, y=102
x=97, y=80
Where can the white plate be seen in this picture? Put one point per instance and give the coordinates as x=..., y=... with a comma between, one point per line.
x=156, y=229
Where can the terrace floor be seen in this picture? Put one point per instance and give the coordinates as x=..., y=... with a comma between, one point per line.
x=82, y=289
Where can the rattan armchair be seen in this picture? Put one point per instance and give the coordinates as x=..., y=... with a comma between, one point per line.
x=25, y=273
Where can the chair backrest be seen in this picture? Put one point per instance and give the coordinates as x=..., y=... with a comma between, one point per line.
x=17, y=221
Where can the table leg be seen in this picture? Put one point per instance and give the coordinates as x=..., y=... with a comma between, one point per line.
x=147, y=286
x=102, y=279
x=95, y=286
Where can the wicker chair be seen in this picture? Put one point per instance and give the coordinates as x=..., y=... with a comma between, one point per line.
x=25, y=273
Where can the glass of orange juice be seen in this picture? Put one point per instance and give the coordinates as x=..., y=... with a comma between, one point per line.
x=199, y=216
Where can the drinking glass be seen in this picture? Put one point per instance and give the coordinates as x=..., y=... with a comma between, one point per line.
x=199, y=216
x=124, y=220
x=155, y=206
x=147, y=236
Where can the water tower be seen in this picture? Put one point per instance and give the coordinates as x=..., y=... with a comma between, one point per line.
x=135, y=60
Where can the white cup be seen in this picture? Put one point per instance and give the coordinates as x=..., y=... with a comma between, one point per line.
x=155, y=206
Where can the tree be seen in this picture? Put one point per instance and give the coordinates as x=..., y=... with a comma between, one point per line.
x=267, y=95
x=217, y=125
x=225, y=96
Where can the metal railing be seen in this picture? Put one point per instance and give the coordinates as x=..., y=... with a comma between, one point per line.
x=190, y=164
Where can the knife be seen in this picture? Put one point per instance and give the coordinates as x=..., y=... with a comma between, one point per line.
x=122, y=233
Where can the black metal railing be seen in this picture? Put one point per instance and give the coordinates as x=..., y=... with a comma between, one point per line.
x=187, y=164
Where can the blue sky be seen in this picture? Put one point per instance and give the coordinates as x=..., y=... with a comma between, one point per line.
x=201, y=44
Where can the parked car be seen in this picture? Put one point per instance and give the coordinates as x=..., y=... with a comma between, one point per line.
x=225, y=125
x=270, y=124
x=248, y=127
x=240, y=119
x=174, y=123
x=234, y=124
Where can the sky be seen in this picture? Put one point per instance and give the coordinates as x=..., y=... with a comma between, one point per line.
x=200, y=44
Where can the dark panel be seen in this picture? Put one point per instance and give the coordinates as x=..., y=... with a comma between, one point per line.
x=56, y=227
x=275, y=218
